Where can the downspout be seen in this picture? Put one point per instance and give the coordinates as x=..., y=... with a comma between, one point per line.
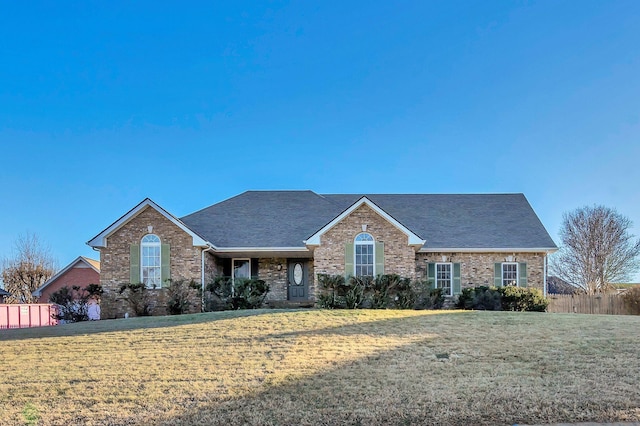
x=546, y=254
x=202, y=278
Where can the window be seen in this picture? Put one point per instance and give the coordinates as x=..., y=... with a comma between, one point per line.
x=241, y=268
x=150, y=262
x=443, y=278
x=364, y=246
x=510, y=274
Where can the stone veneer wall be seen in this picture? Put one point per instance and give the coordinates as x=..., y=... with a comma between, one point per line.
x=477, y=268
x=277, y=279
x=114, y=259
x=399, y=257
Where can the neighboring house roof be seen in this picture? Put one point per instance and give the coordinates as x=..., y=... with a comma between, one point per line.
x=93, y=264
x=444, y=221
x=100, y=240
x=4, y=293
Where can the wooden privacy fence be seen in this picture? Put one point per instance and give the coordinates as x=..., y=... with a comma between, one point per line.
x=612, y=304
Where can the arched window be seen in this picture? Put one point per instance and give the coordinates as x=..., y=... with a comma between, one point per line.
x=150, y=261
x=364, y=251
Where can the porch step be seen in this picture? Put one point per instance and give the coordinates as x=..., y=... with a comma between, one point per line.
x=288, y=304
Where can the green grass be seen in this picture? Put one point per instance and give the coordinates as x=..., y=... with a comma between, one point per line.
x=324, y=367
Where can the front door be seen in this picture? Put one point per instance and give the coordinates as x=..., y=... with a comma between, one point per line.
x=298, y=277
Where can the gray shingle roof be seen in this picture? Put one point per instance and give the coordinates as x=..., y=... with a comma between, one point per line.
x=287, y=218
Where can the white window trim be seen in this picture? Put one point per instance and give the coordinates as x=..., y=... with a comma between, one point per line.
x=517, y=274
x=356, y=243
x=450, y=276
x=150, y=244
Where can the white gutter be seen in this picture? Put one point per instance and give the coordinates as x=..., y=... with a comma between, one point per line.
x=202, y=277
x=487, y=250
x=260, y=249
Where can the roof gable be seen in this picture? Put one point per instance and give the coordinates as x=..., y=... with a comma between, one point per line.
x=100, y=240
x=91, y=263
x=413, y=239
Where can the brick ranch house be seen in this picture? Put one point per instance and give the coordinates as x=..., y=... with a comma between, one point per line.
x=287, y=238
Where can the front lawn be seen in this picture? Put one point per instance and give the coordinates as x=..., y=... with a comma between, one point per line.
x=324, y=367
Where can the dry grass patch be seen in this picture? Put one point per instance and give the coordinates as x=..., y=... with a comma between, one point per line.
x=325, y=367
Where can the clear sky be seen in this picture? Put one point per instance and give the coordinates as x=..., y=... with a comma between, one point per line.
x=105, y=103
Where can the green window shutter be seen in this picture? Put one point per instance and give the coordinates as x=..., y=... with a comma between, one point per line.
x=497, y=275
x=165, y=264
x=348, y=260
x=134, y=264
x=456, y=279
x=431, y=274
x=522, y=274
x=379, y=258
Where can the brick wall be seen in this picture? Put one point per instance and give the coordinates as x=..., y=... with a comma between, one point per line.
x=80, y=275
x=399, y=257
x=274, y=272
x=114, y=259
x=477, y=268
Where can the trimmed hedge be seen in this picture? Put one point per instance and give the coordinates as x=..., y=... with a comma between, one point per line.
x=508, y=298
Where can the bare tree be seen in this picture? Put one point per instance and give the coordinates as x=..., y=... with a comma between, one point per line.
x=30, y=267
x=597, y=249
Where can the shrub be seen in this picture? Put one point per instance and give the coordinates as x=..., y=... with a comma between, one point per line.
x=180, y=293
x=249, y=293
x=332, y=285
x=381, y=292
x=73, y=302
x=480, y=298
x=631, y=299
x=137, y=297
x=405, y=295
x=429, y=298
x=355, y=291
x=508, y=298
x=381, y=289
x=523, y=299
x=244, y=293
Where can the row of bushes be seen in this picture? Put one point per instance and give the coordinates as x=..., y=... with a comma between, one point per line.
x=222, y=293
x=502, y=299
x=380, y=292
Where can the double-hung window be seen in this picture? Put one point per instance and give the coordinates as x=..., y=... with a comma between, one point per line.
x=364, y=251
x=443, y=278
x=509, y=274
x=150, y=262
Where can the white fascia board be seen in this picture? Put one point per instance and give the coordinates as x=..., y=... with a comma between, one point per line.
x=260, y=249
x=488, y=250
x=100, y=240
x=414, y=240
x=266, y=252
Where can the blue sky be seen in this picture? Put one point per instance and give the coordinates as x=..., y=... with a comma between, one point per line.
x=105, y=103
